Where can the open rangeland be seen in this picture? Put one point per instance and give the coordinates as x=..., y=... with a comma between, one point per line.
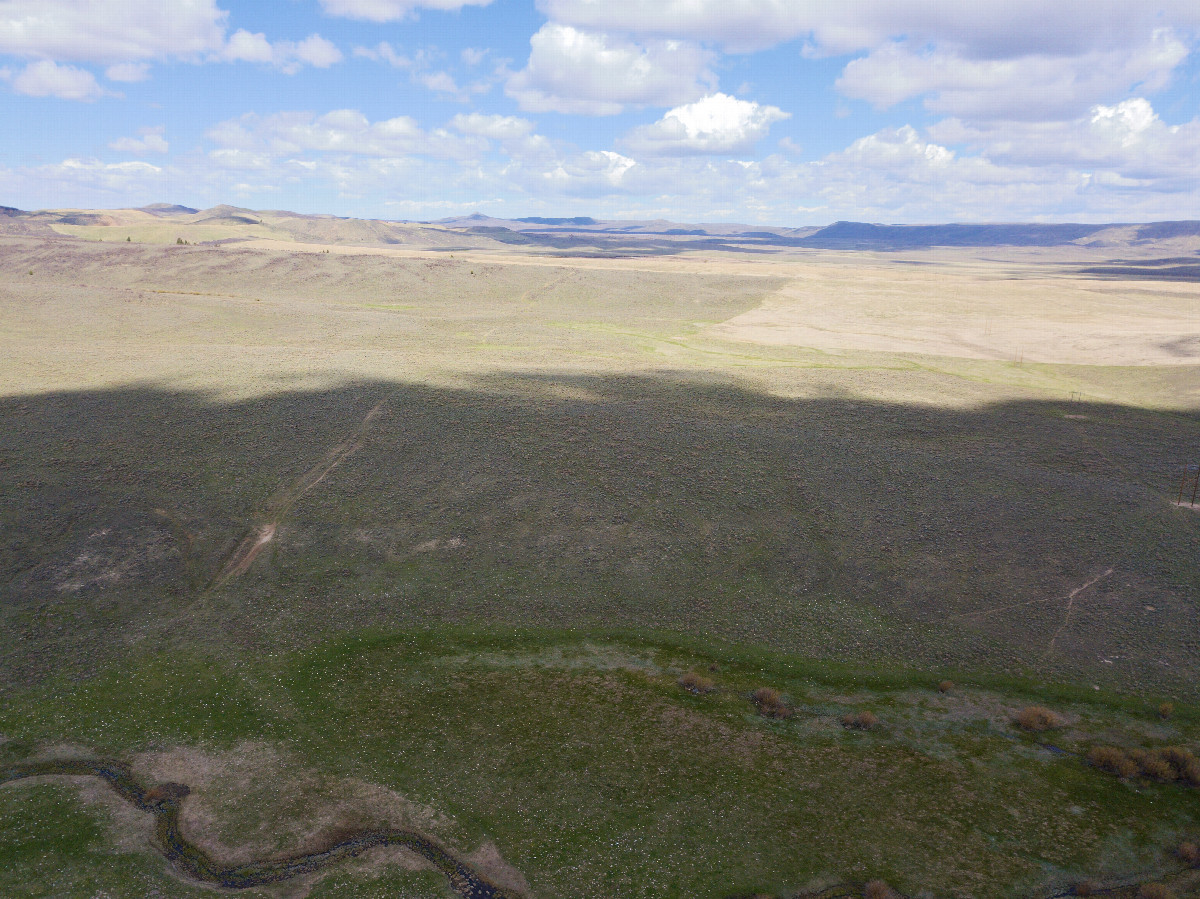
x=702, y=574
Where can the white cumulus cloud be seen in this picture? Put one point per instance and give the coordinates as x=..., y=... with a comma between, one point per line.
x=980, y=29
x=249, y=139
x=128, y=71
x=1126, y=140
x=589, y=173
x=392, y=10
x=1020, y=59
x=289, y=56
x=716, y=124
x=496, y=127
x=151, y=140
x=1031, y=87
x=574, y=71
x=46, y=78
x=110, y=31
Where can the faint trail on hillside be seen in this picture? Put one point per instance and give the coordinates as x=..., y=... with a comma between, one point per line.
x=534, y=293
x=1070, y=597
x=282, y=501
x=1071, y=604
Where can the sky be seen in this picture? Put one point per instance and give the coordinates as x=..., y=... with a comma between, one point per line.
x=786, y=112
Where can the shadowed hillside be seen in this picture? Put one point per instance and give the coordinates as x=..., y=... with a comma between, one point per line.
x=862, y=532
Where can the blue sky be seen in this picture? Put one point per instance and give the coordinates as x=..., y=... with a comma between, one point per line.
x=783, y=111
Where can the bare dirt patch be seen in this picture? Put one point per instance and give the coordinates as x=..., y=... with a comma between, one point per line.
x=254, y=800
x=110, y=555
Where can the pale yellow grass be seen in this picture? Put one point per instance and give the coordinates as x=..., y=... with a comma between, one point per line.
x=975, y=314
x=256, y=318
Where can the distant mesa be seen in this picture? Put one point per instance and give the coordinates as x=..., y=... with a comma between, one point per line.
x=169, y=209
x=582, y=233
x=849, y=235
x=580, y=220
x=1167, y=230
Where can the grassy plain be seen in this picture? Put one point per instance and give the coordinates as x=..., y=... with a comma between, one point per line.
x=428, y=539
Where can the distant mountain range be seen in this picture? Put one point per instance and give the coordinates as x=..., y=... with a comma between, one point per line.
x=852, y=235
x=160, y=222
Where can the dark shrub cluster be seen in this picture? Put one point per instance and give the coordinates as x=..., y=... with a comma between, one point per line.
x=1173, y=763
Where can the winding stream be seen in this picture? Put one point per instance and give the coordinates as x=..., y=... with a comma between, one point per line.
x=164, y=803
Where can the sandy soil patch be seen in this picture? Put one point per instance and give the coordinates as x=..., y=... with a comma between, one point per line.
x=281, y=807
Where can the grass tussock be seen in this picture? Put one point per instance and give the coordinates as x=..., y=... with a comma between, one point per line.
x=697, y=683
x=1037, y=718
x=770, y=703
x=860, y=720
x=1155, y=891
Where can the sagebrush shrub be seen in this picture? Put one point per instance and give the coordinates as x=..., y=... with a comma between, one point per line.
x=878, y=889
x=1113, y=760
x=696, y=683
x=1155, y=766
x=770, y=703
x=1038, y=718
x=860, y=720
